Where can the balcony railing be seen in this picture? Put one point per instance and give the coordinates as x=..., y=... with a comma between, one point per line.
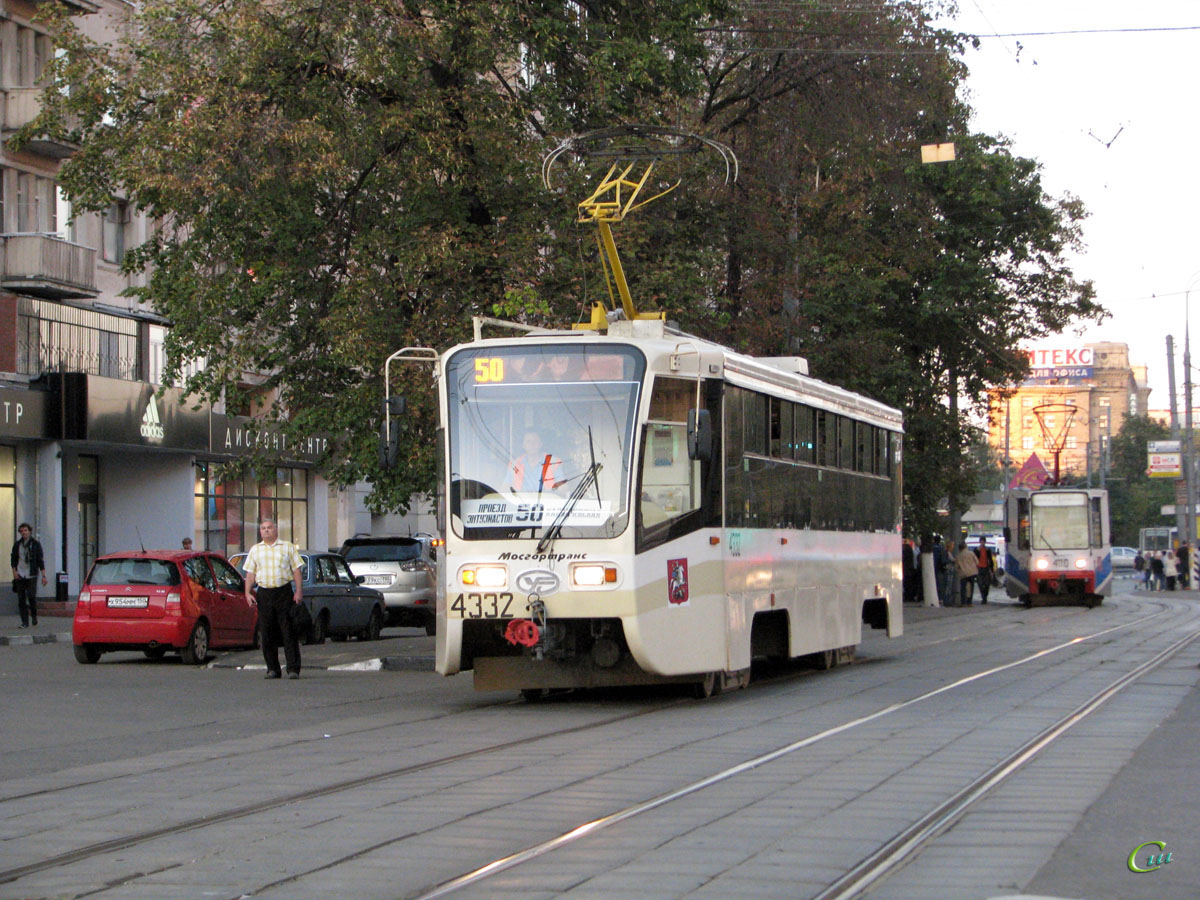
x=21, y=106
x=44, y=265
x=78, y=7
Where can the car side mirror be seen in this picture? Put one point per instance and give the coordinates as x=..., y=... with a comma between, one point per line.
x=700, y=435
x=359, y=579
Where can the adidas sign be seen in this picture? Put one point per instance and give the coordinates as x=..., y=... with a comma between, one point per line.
x=152, y=428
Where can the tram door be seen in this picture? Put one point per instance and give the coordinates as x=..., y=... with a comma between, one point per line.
x=89, y=513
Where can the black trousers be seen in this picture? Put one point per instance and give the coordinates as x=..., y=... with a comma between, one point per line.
x=26, y=589
x=275, y=623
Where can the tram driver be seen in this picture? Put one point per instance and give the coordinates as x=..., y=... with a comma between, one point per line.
x=535, y=470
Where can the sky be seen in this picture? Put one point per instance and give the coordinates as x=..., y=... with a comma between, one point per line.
x=1113, y=119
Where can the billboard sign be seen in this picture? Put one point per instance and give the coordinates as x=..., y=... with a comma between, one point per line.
x=1163, y=459
x=1066, y=364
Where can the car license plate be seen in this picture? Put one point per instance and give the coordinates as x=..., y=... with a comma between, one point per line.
x=377, y=579
x=128, y=602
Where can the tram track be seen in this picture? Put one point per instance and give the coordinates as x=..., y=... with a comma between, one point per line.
x=943, y=819
x=132, y=840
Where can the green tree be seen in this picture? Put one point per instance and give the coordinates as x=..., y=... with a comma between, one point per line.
x=1135, y=500
x=914, y=284
x=341, y=178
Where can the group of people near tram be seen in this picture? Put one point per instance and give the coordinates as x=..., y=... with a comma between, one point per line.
x=958, y=571
x=1160, y=570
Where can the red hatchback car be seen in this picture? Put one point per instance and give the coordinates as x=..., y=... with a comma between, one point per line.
x=162, y=600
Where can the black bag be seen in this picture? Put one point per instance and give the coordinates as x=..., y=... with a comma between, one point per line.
x=301, y=620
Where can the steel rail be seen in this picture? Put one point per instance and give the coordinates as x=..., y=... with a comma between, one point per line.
x=126, y=841
x=597, y=825
x=909, y=842
x=130, y=840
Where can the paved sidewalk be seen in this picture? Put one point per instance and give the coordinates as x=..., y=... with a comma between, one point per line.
x=49, y=629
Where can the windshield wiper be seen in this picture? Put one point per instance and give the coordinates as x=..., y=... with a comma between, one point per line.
x=1042, y=538
x=555, y=528
x=588, y=479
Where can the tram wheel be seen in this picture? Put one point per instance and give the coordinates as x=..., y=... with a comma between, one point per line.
x=707, y=687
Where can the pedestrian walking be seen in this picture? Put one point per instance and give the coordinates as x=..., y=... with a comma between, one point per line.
x=952, y=598
x=1143, y=573
x=27, y=562
x=908, y=571
x=274, y=565
x=1184, y=570
x=1170, y=569
x=1156, y=571
x=968, y=572
x=987, y=570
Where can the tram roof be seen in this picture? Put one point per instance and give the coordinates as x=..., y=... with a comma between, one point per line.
x=782, y=376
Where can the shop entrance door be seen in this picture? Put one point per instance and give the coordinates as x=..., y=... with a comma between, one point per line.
x=89, y=513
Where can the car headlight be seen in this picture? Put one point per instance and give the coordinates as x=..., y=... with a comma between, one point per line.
x=493, y=577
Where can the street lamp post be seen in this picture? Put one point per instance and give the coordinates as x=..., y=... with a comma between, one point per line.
x=1189, y=474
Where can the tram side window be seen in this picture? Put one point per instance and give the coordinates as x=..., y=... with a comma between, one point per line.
x=755, y=411
x=845, y=436
x=735, y=490
x=864, y=436
x=825, y=448
x=670, y=481
x=776, y=426
x=805, y=433
x=786, y=417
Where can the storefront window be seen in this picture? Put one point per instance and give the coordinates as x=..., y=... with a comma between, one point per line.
x=8, y=492
x=227, y=510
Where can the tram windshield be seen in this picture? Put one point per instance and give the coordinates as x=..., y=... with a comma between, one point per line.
x=540, y=439
x=1060, y=521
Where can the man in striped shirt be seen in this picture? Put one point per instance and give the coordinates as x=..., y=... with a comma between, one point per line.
x=274, y=565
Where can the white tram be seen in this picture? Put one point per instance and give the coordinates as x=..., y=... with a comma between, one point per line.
x=1058, y=546
x=641, y=506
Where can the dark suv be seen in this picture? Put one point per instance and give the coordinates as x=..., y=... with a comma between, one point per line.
x=403, y=570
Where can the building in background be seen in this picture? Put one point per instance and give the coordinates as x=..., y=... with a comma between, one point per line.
x=90, y=453
x=1097, y=380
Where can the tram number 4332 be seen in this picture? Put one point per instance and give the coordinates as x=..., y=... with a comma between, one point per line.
x=483, y=606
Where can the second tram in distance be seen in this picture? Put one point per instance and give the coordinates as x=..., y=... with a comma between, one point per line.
x=1058, y=546
x=642, y=506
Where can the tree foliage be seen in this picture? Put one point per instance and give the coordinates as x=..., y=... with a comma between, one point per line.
x=1135, y=500
x=342, y=178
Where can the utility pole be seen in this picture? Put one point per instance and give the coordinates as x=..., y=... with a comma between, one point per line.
x=1181, y=515
x=1188, y=475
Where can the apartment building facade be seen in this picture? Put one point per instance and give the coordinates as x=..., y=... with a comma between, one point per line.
x=92, y=455
x=1094, y=385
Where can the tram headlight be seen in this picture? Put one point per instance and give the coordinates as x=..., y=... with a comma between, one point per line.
x=484, y=576
x=1081, y=563
x=592, y=575
x=1043, y=564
